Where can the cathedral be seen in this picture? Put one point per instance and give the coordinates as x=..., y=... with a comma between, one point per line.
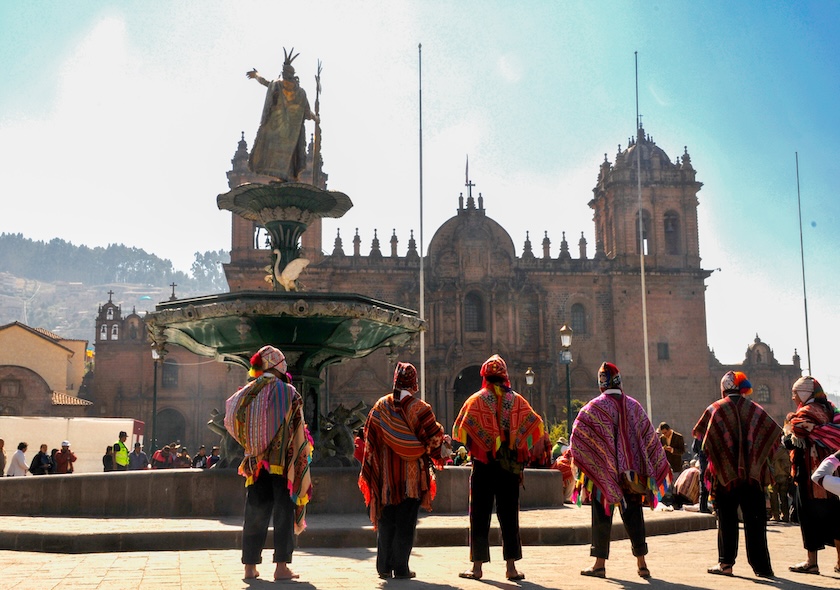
x=483, y=295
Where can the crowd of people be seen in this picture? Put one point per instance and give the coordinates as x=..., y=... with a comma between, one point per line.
x=740, y=461
x=56, y=461
x=116, y=458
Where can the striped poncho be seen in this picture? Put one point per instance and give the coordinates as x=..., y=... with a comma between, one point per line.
x=815, y=435
x=266, y=418
x=493, y=413
x=402, y=439
x=613, y=439
x=738, y=438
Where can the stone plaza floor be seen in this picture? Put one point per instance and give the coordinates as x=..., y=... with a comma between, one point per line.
x=677, y=560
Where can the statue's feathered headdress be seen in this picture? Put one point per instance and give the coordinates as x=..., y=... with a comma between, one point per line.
x=288, y=68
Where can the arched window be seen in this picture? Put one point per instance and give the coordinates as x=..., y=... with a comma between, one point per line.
x=473, y=313
x=109, y=314
x=170, y=374
x=103, y=332
x=672, y=233
x=578, y=319
x=115, y=332
x=646, y=235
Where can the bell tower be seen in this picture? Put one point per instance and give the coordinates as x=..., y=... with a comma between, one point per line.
x=668, y=206
x=674, y=296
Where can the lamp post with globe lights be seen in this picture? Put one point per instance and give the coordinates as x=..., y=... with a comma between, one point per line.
x=566, y=359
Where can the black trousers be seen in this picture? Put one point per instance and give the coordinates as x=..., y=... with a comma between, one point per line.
x=395, y=536
x=704, y=488
x=269, y=494
x=750, y=498
x=634, y=524
x=489, y=482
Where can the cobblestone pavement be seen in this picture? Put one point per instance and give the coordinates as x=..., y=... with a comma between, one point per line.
x=677, y=561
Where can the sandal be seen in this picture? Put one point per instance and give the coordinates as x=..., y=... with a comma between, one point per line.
x=644, y=573
x=598, y=572
x=516, y=576
x=469, y=575
x=805, y=568
x=721, y=570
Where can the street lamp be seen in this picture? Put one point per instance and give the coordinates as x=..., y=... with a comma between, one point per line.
x=155, y=359
x=529, y=377
x=566, y=359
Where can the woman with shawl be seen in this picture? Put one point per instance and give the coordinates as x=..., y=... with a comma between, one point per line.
x=499, y=428
x=621, y=462
x=403, y=439
x=739, y=438
x=812, y=433
x=266, y=418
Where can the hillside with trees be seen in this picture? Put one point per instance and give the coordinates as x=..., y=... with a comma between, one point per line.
x=59, y=286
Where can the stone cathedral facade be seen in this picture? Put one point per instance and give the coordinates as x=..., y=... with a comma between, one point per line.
x=484, y=295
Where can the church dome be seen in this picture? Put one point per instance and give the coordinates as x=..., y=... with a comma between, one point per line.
x=470, y=239
x=649, y=153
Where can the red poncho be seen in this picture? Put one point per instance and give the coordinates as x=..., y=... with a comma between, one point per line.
x=402, y=437
x=738, y=438
x=491, y=412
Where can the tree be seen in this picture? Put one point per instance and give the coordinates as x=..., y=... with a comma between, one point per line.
x=207, y=272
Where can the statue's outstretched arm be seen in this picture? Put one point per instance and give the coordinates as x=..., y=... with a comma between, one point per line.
x=255, y=75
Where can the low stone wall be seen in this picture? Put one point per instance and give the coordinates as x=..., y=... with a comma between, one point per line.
x=184, y=493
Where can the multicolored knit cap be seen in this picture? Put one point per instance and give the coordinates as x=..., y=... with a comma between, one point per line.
x=267, y=358
x=805, y=387
x=609, y=377
x=495, y=367
x=405, y=377
x=735, y=382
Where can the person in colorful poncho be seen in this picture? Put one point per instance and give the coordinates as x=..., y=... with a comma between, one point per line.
x=812, y=433
x=499, y=428
x=739, y=438
x=621, y=462
x=266, y=418
x=402, y=440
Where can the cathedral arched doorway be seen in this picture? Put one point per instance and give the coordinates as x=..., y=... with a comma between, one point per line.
x=170, y=427
x=467, y=383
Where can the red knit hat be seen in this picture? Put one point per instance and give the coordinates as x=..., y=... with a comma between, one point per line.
x=495, y=367
x=609, y=377
x=405, y=377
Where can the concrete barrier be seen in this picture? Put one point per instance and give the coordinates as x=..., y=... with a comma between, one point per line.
x=185, y=493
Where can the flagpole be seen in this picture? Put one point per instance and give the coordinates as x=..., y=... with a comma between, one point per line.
x=802, y=256
x=422, y=274
x=638, y=151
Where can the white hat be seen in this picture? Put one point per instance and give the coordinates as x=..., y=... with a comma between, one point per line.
x=65, y=443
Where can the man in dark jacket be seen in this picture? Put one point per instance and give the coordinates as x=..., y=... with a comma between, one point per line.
x=674, y=445
x=41, y=463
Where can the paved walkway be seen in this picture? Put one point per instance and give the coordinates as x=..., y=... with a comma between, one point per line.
x=677, y=561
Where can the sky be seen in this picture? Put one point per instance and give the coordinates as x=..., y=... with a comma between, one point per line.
x=118, y=121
